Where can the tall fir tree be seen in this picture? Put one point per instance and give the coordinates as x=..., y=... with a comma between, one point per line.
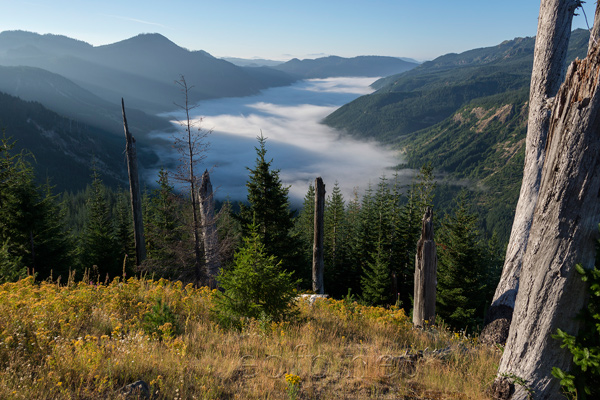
x=268, y=207
x=462, y=276
x=353, y=242
x=32, y=229
x=167, y=241
x=304, y=227
x=340, y=273
x=124, y=229
x=100, y=251
x=376, y=280
x=419, y=196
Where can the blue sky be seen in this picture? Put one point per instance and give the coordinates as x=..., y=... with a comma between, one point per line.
x=282, y=29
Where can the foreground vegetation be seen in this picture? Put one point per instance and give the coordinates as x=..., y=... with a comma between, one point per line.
x=88, y=340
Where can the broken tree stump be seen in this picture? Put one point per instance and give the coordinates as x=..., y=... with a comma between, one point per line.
x=425, y=274
x=318, y=253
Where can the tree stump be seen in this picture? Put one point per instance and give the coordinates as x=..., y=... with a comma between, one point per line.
x=425, y=274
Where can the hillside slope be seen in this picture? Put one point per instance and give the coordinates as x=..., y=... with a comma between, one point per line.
x=420, y=98
x=70, y=100
x=466, y=114
x=62, y=149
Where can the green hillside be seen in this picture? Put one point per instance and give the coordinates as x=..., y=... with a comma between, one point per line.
x=432, y=92
x=466, y=114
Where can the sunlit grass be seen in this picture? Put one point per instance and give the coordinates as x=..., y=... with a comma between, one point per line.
x=86, y=341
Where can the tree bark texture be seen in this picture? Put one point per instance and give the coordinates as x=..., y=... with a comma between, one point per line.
x=318, y=264
x=563, y=232
x=134, y=191
x=425, y=274
x=551, y=43
x=210, y=238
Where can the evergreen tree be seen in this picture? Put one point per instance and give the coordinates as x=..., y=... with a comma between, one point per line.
x=353, y=250
x=408, y=230
x=124, y=229
x=168, y=247
x=32, y=231
x=268, y=208
x=230, y=234
x=462, y=276
x=257, y=286
x=340, y=273
x=378, y=231
x=376, y=281
x=100, y=249
x=55, y=248
x=304, y=228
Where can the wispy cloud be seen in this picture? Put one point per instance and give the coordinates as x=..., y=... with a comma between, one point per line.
x=139, y=21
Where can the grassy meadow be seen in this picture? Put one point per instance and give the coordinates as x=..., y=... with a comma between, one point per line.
x=87, y=341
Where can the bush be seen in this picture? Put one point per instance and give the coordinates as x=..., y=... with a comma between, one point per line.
x=257, y=286
x=583, y=382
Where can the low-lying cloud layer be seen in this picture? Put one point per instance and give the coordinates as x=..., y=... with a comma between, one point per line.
x=299, y=145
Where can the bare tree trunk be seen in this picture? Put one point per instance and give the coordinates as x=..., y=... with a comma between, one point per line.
x=318, y=260
x=425, y=274
x=192, y=147
x=134, y=191
x=564, y=232
x=206, y=202
x=551, y=43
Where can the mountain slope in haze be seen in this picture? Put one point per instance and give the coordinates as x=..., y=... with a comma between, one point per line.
x=68, y=99
x=252, y=62
x=142, y=69
x=333, y=66
x=62, y=149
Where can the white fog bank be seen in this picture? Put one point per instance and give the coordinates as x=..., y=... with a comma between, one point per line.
x=301, y=147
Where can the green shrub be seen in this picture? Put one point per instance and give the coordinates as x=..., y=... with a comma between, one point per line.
x=583, y=382
x=256, y=287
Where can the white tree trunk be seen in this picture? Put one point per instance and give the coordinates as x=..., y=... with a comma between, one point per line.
x=552, y=40
x=563, y=232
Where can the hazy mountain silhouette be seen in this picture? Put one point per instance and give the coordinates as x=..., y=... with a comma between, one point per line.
x=333, y=66
x=142, y=69
x=70, y=100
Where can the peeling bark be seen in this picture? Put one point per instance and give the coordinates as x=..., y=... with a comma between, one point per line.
x=563, y=233
x=551, y=44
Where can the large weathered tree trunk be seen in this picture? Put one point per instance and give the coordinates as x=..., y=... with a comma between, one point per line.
x=210, y=238
x=551, y=43
x=425, y=274
x=319, y=232
x=563, y=232
x=134, y=191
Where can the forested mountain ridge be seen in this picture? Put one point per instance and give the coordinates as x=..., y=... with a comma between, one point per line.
x=333, y=66
x=70, y=100
x=62, y=149
x=141, y=68
x=422, y=97
x=466, y=114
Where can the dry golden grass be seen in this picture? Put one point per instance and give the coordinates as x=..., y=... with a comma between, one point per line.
x=86, y=341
